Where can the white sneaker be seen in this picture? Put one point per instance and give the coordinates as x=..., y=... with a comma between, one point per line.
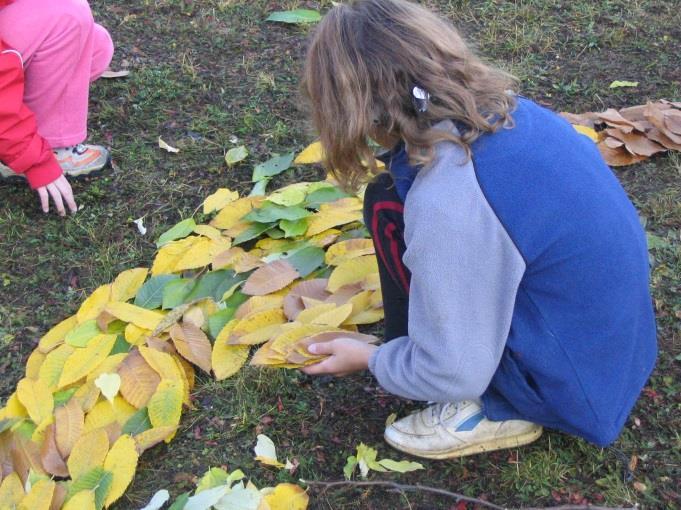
x=444, y=431
x=80, y=160
x=7, y=173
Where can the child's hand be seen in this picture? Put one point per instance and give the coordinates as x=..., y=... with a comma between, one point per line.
x=60, y=191
x=346, y=356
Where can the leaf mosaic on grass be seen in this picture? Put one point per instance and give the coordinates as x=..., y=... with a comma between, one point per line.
x=112, y=380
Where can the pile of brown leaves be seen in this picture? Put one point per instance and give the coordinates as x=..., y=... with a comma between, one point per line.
x=632, y=134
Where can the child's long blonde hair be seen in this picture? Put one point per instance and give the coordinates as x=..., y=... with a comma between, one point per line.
x=363, y=62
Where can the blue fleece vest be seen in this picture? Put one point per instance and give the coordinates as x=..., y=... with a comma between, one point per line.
x=582, y=341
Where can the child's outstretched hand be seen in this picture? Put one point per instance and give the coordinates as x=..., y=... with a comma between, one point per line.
x=60, y=191
x=346, y=355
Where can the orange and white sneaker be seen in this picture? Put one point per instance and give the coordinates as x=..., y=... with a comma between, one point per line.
x=80, y=160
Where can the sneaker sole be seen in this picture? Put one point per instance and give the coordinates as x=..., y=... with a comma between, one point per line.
x=488, y=446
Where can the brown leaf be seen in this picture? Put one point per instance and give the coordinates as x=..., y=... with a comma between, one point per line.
x=656, y=116
x=315, y=289
x=258, y=304
x=138, y=379
x=619, y=156
x=59, y=496
x=49, y=455
x=238, y=259
x=270, y=278
x=613, y=118
x=104, y=319
x=192, y=344
x=345, y=293
x=613, y=143
x=161, y=344
x=659, y=137
x=69, y=421
x=636, y=143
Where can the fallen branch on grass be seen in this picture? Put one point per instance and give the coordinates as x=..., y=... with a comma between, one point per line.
x=398, y=487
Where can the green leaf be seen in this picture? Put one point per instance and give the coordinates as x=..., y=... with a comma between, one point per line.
x=137, y=423
x=237, y=299
x=63, y=396
x=25, y=428
x=176, y=292
x=269, y=212
x=621, y=83
x=293, y=228
x=97, y=480
x=150, y=295
x=215, y=284
x=83, y=333
x=218, y=320
x=403, y=466
x=355, y=233
x=260, y=188
x=180, y=502
x=275, y=233
x=212, y=478
x=120, y=346
x=252, y=232
x=182, y=229
x=350, y=466
x=273, y=166
x=324, y=195
x=236, y=155
x=295, y=16
x=116, y=327
x=306, y=260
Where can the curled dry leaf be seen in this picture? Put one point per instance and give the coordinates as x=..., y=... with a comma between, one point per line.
x=315, y=289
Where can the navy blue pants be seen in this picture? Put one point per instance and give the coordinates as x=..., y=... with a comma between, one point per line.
x=383, y=216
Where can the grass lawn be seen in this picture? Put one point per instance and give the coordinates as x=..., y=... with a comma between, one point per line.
x=208, y=75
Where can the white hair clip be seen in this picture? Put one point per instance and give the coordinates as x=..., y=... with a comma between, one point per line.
x=421, y=98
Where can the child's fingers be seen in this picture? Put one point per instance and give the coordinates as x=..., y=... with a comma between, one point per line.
x=44, y=199
x=322, y=348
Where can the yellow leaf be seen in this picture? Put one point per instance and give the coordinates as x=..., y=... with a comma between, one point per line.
x=105, y=413
x=52, y=367
x=11, y=491
x=324, y=238
x=13, y=408
x=40, y=497
x=109, y=365
x=33, y=364
x=201, y=254
x=83, y=500
x=141, y=317
x=88, y=452
x=352, y=271
x=162, y=144
x=346, y=250
x=85, y=360
x=227, y=360
x=69, y=425
x=257, y=320
x=94, y=304
x=237, y=259
x=138, y=380
x=135, y=335
x=328, y=218
x=161, y=362
x=287, y=496
x=232, y=213
x=55, y=336
x=286, y=341
x=148, y=438
x=266, y=453
x=325, y=315
x=366, y=317
x=590, y=132
x=36, y=397
x=219, y=200
x=39, y=433
x=258, y=336
x=313, y=153
x=209, y=232
x=126, y=284
x=121, y=461
x=167, y=257
x=165, y=406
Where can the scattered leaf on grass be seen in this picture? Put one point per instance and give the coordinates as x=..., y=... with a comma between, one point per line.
x=163, y=145
x=295, y=16
x=236, y=155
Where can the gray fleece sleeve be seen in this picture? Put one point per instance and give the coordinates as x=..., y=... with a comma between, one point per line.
x=465, y=276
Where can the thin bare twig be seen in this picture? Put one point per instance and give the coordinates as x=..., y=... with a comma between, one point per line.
x=442, y=492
